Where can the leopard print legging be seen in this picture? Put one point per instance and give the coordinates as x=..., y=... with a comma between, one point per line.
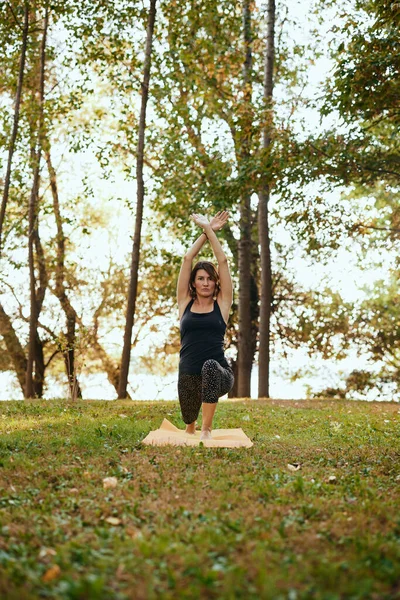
x=215, y=381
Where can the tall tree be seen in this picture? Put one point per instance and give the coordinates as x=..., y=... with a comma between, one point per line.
x=17, y=106
x=263, y=216
x=365, y=90
x=68, y=348
x=36, y=296
x=132, y=294
x=245, y=354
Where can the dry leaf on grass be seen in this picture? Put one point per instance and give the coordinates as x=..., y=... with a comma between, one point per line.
x=294, y=466
x=110, y=482
x=133, y=533
x=45, y=552
x=51, y=573
x=113, y=520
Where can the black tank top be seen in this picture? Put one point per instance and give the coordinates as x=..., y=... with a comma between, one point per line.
x=202, y=338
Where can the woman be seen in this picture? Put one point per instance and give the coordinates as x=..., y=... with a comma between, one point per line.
x=204, y=300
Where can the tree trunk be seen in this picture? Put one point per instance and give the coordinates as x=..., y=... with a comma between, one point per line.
x=38, y=381
x=126, y=353
x=245, y=356
x=263, y=217
x=33, y=210
x=14, y=348
x=70, y=314
x=16, y=121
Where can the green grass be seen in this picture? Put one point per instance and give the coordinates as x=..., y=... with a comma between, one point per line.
x=197, y=522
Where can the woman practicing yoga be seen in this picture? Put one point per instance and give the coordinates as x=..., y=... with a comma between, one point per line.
x=204, y=299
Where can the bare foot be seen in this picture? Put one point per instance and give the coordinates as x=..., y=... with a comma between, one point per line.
x=205, y=434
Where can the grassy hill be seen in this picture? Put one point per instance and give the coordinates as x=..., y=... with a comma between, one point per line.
x=197, y=522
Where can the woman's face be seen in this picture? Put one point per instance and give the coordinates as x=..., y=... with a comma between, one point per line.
x=203, y=284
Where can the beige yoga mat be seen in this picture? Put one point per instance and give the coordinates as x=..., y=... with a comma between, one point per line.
x=168, y=434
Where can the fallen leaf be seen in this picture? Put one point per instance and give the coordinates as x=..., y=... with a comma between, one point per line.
x=113, y=521
x=133, y=533
x=351, y=499
x=110, y=482
x=45, y=552
x=294, y=466
x=51, y=573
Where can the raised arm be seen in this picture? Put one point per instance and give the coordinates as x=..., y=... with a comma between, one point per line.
x=182, y=291
x=225, y=295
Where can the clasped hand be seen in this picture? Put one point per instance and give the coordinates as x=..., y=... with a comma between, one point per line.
x=216, y=223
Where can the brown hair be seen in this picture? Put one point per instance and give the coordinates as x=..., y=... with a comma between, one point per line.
x=210, y=269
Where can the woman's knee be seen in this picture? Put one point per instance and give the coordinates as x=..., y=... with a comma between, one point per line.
x=210, y=367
